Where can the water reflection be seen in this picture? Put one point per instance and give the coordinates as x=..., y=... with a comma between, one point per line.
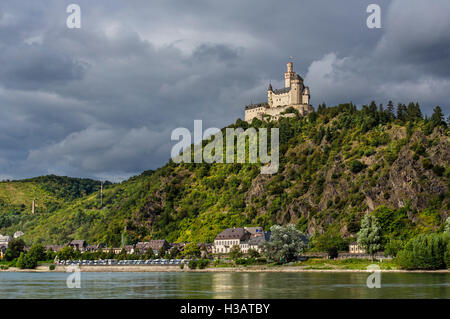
x=224, y=285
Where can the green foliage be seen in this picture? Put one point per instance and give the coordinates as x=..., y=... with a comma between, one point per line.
x=393, y=247
x=191, y=250
x=356, y=166
x=15, y=248
x=253, y=253
x=286, y=244
x=426, y=251
x=67, y=253
x=235, y=252
x=369, y=237
x=319, y=153
x=37, y=252
x=26, y=261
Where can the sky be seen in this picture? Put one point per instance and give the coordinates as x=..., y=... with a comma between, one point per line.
x=101, y=101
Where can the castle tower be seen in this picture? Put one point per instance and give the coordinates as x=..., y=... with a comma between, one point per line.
x=289, y=75
x=296, y=90
x=305, y=96
x=269, y=95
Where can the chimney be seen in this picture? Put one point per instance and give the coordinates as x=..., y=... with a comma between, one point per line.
x=33, y=207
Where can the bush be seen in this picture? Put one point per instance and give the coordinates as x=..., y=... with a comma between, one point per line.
x=426, y=251
x=181, y=266
x=202, y=263
x=192, y=264
x=26, y=261
x=52, y=267
x=356, y=166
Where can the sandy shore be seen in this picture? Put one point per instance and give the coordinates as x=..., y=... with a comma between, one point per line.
x=167, y=268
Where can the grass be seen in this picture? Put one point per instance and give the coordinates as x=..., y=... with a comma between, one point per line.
x=349, y=263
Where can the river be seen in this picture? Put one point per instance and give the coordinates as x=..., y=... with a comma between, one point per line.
x=224, y=285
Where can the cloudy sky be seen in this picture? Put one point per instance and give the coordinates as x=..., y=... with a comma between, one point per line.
x=101, y=101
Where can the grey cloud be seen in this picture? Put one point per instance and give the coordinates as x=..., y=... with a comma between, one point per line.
x=101, y=101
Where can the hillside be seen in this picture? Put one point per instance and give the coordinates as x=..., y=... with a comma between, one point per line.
x=337, y=164
x=49, y=192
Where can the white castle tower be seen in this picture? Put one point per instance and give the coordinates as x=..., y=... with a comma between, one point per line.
x=294, y=95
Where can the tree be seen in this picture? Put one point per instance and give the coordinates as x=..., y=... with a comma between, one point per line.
x=369, y=236
x=149, y=254
x=438, y=117
x=26, y=261
x=14, y=249
x=235, y=252
x=390, y=108
x=66, y=253
x=401, y=112
x=413, y=113
x=425, y=251
x=37, y=251
x=191, y=250
x=286, y=244
x=393, y=247
x=253, y=253
x=356, y=166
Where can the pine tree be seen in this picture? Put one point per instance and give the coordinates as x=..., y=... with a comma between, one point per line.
x=390, y=107
x=438, y=117
x=401, y=112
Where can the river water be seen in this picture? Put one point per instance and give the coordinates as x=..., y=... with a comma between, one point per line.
x=224, y=285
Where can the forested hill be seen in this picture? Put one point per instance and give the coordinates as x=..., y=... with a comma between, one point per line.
x=337, y=164
x=49, y=193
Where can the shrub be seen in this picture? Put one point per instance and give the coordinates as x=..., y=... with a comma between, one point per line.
x=426, y=251
x=26, y=261
x=181, y=266
x=356, y=166
x=202, y=263
x=192, y=264
x=51, y=267
x=438, y=170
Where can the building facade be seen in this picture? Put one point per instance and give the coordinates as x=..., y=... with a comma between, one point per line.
x=279, y=102
x=354, y=248
x=246, y=238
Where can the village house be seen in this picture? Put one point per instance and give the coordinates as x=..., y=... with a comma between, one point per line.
x=4, y=242
x=78, y=245
x=245, y=238
x=54, y=248
x=129, y=249
x=156, y=245
x=354, y=248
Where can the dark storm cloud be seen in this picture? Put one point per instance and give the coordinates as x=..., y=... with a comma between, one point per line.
x=102, y=101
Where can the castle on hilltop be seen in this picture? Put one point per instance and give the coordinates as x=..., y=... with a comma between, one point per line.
x=279, y=102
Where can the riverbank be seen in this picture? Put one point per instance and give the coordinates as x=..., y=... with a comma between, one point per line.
x=169, y=268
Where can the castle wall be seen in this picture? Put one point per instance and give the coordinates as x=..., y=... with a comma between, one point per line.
x=281, y=99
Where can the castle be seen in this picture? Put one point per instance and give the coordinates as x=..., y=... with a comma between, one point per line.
x=293, y=95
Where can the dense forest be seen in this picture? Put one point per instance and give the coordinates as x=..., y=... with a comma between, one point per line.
x=336, y=165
